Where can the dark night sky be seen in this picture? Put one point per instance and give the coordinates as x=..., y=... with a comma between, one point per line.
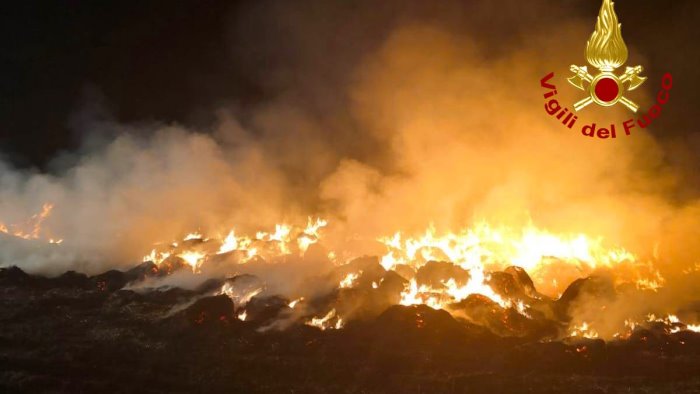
x=173, y=61
x=148, y=59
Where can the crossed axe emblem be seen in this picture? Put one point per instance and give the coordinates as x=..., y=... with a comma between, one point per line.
x=606, y=88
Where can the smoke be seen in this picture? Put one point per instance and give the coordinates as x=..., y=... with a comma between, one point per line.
x=384, y=117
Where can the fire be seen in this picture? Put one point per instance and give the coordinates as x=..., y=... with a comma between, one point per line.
x=325, y=322
x=414, y=295
x=194, y=259
x=240, y=297
x=156, y=257
x=295, y=302
x=230, y=243
x=450, y=293
x=349, y=280
x=583, y=330
x=194, y=235
x=671, y=324
x=284, y=240
x=31, y=229
x=486, y=247
x=479, y=250
x=310, y=235
x=649, y=284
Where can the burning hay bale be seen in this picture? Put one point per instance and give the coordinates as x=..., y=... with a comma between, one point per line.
x=241, y=331
x=435, y=273
x=484, y=312
x=429, y=306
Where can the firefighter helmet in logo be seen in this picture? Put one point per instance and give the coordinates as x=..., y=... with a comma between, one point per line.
x=606, y=51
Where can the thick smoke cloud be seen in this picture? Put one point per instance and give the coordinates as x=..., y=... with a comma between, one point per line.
x=384, y=117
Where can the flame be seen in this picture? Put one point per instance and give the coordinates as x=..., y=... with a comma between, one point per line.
x=325, y=322
x=193, y=258
x=479, y=249
x=547, y=257
x=311, y=233
x=242, y=316
x=650, y=284
x=673, y=323
x=240, y=297
x=349, y=280
x=156, y=257
x=669, y=319
x=487, y=247
x=230, y=243
x=522, y=309
x=606, y=50
x=295, y=302
x=31, y=229
x=414, y=295
x=194, y=235
x=583, y=330
x=263, y=244
x=471, y=247
x=450, y=293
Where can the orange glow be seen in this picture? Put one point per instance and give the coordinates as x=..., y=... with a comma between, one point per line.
x=32, y=228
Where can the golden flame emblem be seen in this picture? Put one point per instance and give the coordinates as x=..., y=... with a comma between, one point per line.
x=606, y=51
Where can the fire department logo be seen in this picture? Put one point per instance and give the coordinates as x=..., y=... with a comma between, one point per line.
x=606, y=51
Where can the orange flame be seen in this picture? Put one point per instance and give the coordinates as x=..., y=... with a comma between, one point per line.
x=31, y=229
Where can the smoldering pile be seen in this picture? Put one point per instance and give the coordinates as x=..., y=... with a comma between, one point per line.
x=228, y=332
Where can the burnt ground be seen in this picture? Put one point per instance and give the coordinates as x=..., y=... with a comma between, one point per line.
x=74, y=334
